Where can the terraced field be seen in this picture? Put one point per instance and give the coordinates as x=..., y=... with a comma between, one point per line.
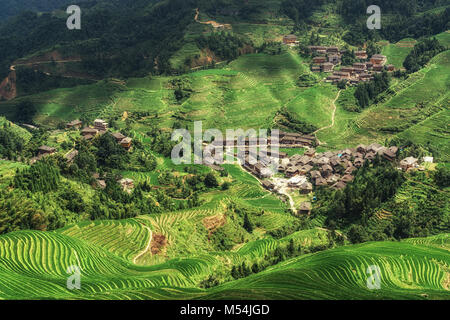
x=255, y=84
x=407, y=272
x=34, y=265
x=122, y=238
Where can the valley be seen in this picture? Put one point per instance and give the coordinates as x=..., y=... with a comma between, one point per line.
x=87, y=178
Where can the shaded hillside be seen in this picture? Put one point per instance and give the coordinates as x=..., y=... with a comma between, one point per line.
x=116, y=38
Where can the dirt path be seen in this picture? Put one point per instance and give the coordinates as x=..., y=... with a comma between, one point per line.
x=332, y=117
x=148, y=245
x=211, y=22
x=291, y=201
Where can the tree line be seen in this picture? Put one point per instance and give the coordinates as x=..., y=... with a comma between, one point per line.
x=367, y=93
x=422, y=53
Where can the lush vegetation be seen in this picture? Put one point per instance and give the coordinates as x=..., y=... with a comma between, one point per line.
x=105, y=42
x=226, y=46
x=367, y=93
x=405, y=19
x=422, y=53
x=371, y=208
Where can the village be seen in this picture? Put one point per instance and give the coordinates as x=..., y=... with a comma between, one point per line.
x=328, y=60
x=300, y=174
x=277, y=172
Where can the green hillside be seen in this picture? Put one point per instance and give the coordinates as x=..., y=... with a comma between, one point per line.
x=407, y=112
x=413, y=270
x=258, y=84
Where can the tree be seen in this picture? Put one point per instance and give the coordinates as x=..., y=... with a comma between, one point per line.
x=210, y=180
x=342, y=84
x=247, y=224
x=109, y=153
x=225, y=186
x=25, y=111
x=291, y=247
x=442, y=177
x=357, y=234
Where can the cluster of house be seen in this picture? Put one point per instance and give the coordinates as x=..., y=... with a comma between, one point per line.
x=88, y=133
x=333, y=169
x=327, y=58
x=361, y=71
x=296, y=140
x=261, y=166
x=100, y=127
x=285, y=140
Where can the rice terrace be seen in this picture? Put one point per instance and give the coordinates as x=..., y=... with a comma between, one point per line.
x=345, y=197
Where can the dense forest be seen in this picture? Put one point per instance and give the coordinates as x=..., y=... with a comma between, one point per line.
x=398, y=26
x=134, y=38
x=226, y=46
x=367, y=93
x=30, y=81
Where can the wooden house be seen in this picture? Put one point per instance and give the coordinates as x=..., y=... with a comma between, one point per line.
x=362, y=55
x=76, y=124
x=100, y=125
x=319, y=60
x=305, y=208
x=45, y=150
x=334, y=59
x=378, y=59
x=327, y=67
x=290, y=39
x=126, y=142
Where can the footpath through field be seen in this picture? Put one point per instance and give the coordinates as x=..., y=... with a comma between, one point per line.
x=332, y=118
x=148, y=245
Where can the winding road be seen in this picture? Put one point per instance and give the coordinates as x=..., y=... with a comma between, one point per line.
x=148, y=245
